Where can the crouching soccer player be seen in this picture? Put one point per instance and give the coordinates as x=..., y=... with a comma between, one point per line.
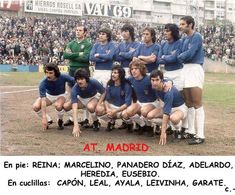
x=174, y=110
x=146, y=98
x=118, y=97
x=84, y=95
x=52, y=90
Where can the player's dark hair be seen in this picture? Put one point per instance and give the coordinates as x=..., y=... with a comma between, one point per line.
x=156, y=73
x=188, y=20
x=82, y=73
x=152, y=33
x=173, y=28
x=123, y=80
x=121, y=72
x=52, y=67
x=130, y=29
x=108, y=32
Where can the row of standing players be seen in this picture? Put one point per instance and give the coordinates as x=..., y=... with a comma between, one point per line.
x=182, y=58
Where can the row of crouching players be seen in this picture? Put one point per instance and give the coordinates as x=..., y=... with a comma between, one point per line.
x=147, y=104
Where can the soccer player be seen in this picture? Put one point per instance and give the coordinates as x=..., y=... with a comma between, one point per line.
x=147, y=52
x=118, y=97
x=85, y=95
x=174, y=109
x=52, y=90
x=169, y=51
x=146, y=97
x=101, y=56
x=78, y=52
x=192, y=57
x=125, y=51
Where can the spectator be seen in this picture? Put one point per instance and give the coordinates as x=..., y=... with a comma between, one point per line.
x=41, y=34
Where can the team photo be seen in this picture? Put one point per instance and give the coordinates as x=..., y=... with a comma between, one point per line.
x=89, y=82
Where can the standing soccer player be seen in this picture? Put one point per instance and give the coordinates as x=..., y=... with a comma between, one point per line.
x=192, y=57
x=147, y=52
x=102, y=55
x=52, y=90
x=77, y=52
x=125, y=51
x=169, y=51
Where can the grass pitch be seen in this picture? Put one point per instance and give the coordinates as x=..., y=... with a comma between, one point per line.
x=219, y=87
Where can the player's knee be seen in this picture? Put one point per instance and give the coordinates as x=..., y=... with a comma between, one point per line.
x=144, y=113
x=196, y=106
x=91, y=108
x=129, y=113
x=174, y=119
x=36, y=108
x=98, y=111
x=58, y=106
x=189, y=104
x=125, y=116
x=150, y=116
x=66, y=108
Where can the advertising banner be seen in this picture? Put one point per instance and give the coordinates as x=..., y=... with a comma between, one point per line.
x=100, y=9
x=71, y=7
x=10, y=5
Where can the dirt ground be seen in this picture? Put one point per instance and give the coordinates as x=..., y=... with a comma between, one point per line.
x=21, y=133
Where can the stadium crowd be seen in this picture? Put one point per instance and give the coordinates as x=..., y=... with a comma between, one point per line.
x=38, y=40
x=219, y=42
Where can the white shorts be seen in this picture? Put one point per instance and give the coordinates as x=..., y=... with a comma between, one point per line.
x=193, y=75
x=116, y=107
x=156, y=104
x=53, y=98
x=183, y=108
x=103, y=76
x=176, y=77
x=85, y=101
x=105, y=118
